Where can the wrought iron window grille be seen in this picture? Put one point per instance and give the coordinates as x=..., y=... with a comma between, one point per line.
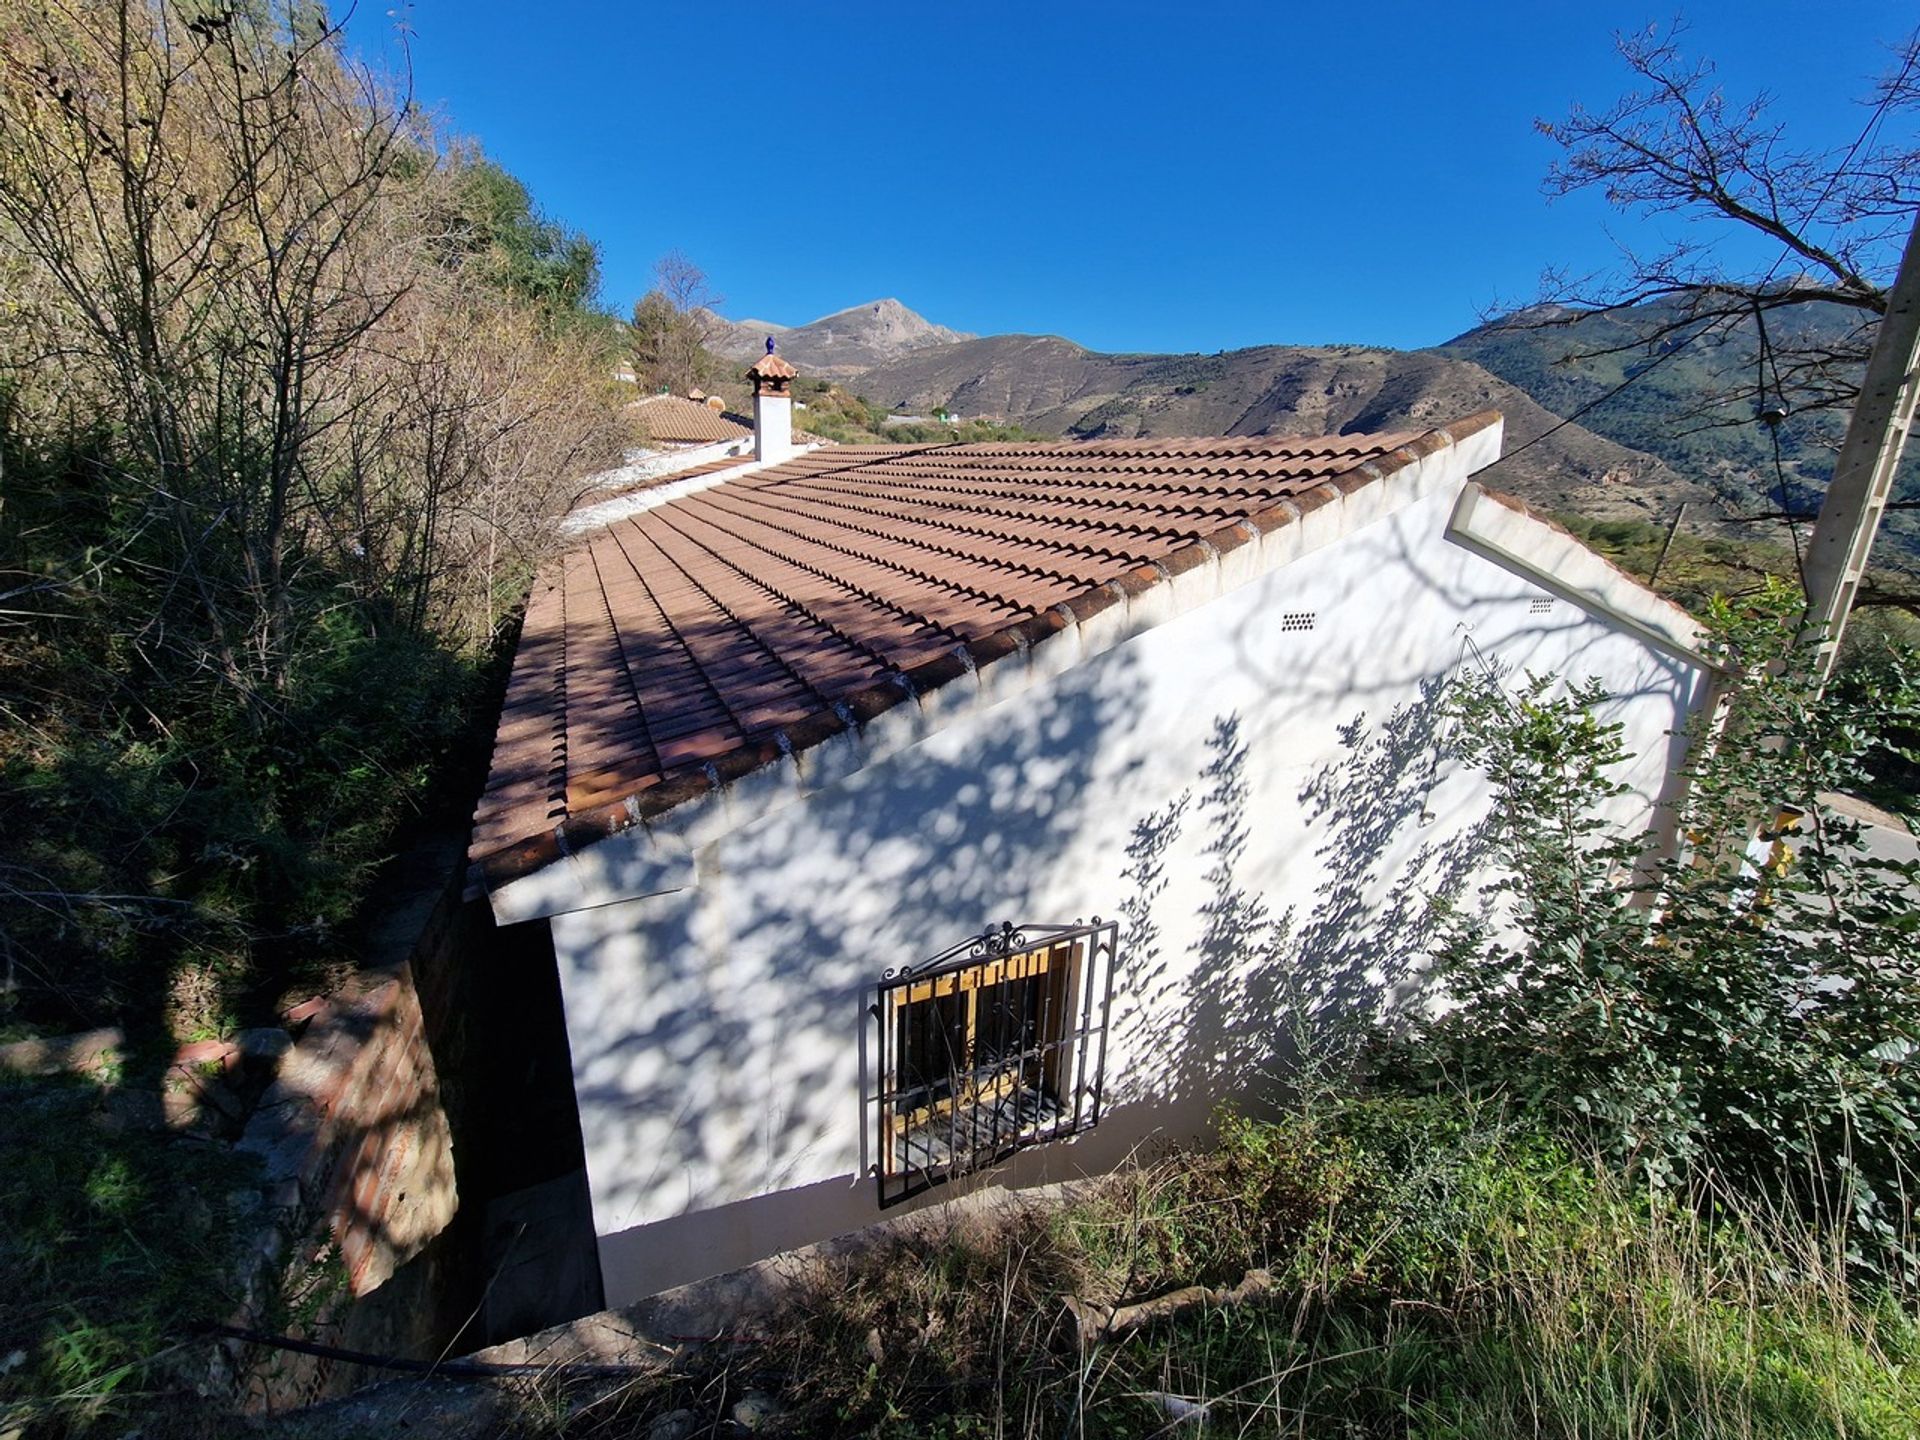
x=992, y=1046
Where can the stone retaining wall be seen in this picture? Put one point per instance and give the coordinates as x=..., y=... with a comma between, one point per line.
x=360, y=1244
x=352, y=1129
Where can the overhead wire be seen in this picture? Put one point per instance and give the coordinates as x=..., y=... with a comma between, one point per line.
x=1866, y=132
x=1766, y=358
x=1773, y=416
x=1598, y=400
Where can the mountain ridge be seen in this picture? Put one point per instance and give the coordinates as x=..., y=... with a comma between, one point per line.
x=838, y=346
x=1680, y=434
x=1054, y=386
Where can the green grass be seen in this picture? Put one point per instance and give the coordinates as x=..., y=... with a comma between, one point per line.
x=113, y=1240
x=1523, y=1294
x=1438, y=1276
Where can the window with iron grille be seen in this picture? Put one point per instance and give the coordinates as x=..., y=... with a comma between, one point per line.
x=987, y=1048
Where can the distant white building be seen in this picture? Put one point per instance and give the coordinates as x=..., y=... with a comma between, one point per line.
x=820, y=774
x=692, y=443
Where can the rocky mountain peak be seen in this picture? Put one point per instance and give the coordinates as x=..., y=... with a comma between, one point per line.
x=842, y=344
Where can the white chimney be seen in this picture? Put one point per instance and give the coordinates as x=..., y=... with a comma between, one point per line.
x=772, y=406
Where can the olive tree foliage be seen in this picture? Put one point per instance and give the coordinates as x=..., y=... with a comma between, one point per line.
x=672, y=327
x=290, y=394
x=1746, y=1012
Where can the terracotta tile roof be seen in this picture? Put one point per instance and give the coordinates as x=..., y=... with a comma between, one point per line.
x=705, y=636
x=673, y=420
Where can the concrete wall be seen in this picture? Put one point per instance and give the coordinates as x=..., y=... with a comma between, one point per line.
x=1253, y=787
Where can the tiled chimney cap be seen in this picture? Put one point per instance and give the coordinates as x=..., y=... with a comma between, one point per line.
x=770, y=375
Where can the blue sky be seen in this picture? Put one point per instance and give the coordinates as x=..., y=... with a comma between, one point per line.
x=1135, y=177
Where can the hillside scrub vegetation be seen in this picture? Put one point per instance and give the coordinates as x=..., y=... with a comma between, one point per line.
x=835, y=413
x=1375, y=1267
x=290, y=392
x=288, y=396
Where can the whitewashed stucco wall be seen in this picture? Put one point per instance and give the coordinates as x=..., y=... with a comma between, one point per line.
x=1200, y=782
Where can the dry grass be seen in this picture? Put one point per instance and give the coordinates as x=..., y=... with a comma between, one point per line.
x=1434, y=1279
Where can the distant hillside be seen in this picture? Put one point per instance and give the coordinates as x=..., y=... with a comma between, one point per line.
x=1689, y=404
x=1682, y=431
x=837, y=346
x=1053, y=386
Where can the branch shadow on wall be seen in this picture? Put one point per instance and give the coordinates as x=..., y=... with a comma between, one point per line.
x=723, y=1096
x=722, y=1082
x=738, y=1072
x=1260, y=986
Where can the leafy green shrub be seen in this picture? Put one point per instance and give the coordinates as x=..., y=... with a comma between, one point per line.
x=1705, y=1013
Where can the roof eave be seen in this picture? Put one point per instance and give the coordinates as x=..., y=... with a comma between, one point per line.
x=1502, y=529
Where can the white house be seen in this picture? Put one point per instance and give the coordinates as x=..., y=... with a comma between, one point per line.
x=783, y=756
x=689, y=442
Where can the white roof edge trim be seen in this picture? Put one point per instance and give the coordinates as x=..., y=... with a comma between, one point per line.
x=621, y=507
x=651, y=856
x=1559, y=564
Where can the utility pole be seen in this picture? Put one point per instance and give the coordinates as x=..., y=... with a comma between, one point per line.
x=1863, y=475
x=1680, y=514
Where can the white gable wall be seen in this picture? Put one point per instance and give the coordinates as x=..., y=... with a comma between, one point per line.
x=1200, y=781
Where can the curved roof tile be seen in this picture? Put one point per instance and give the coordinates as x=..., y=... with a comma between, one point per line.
x=715, y=632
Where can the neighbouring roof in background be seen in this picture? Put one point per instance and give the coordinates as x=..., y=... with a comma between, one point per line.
x=675, y=420
x=711, y=634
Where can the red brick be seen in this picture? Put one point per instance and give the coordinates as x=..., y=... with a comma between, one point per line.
x=356, y=1253
x=305, y=1010
x=202, y=1052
